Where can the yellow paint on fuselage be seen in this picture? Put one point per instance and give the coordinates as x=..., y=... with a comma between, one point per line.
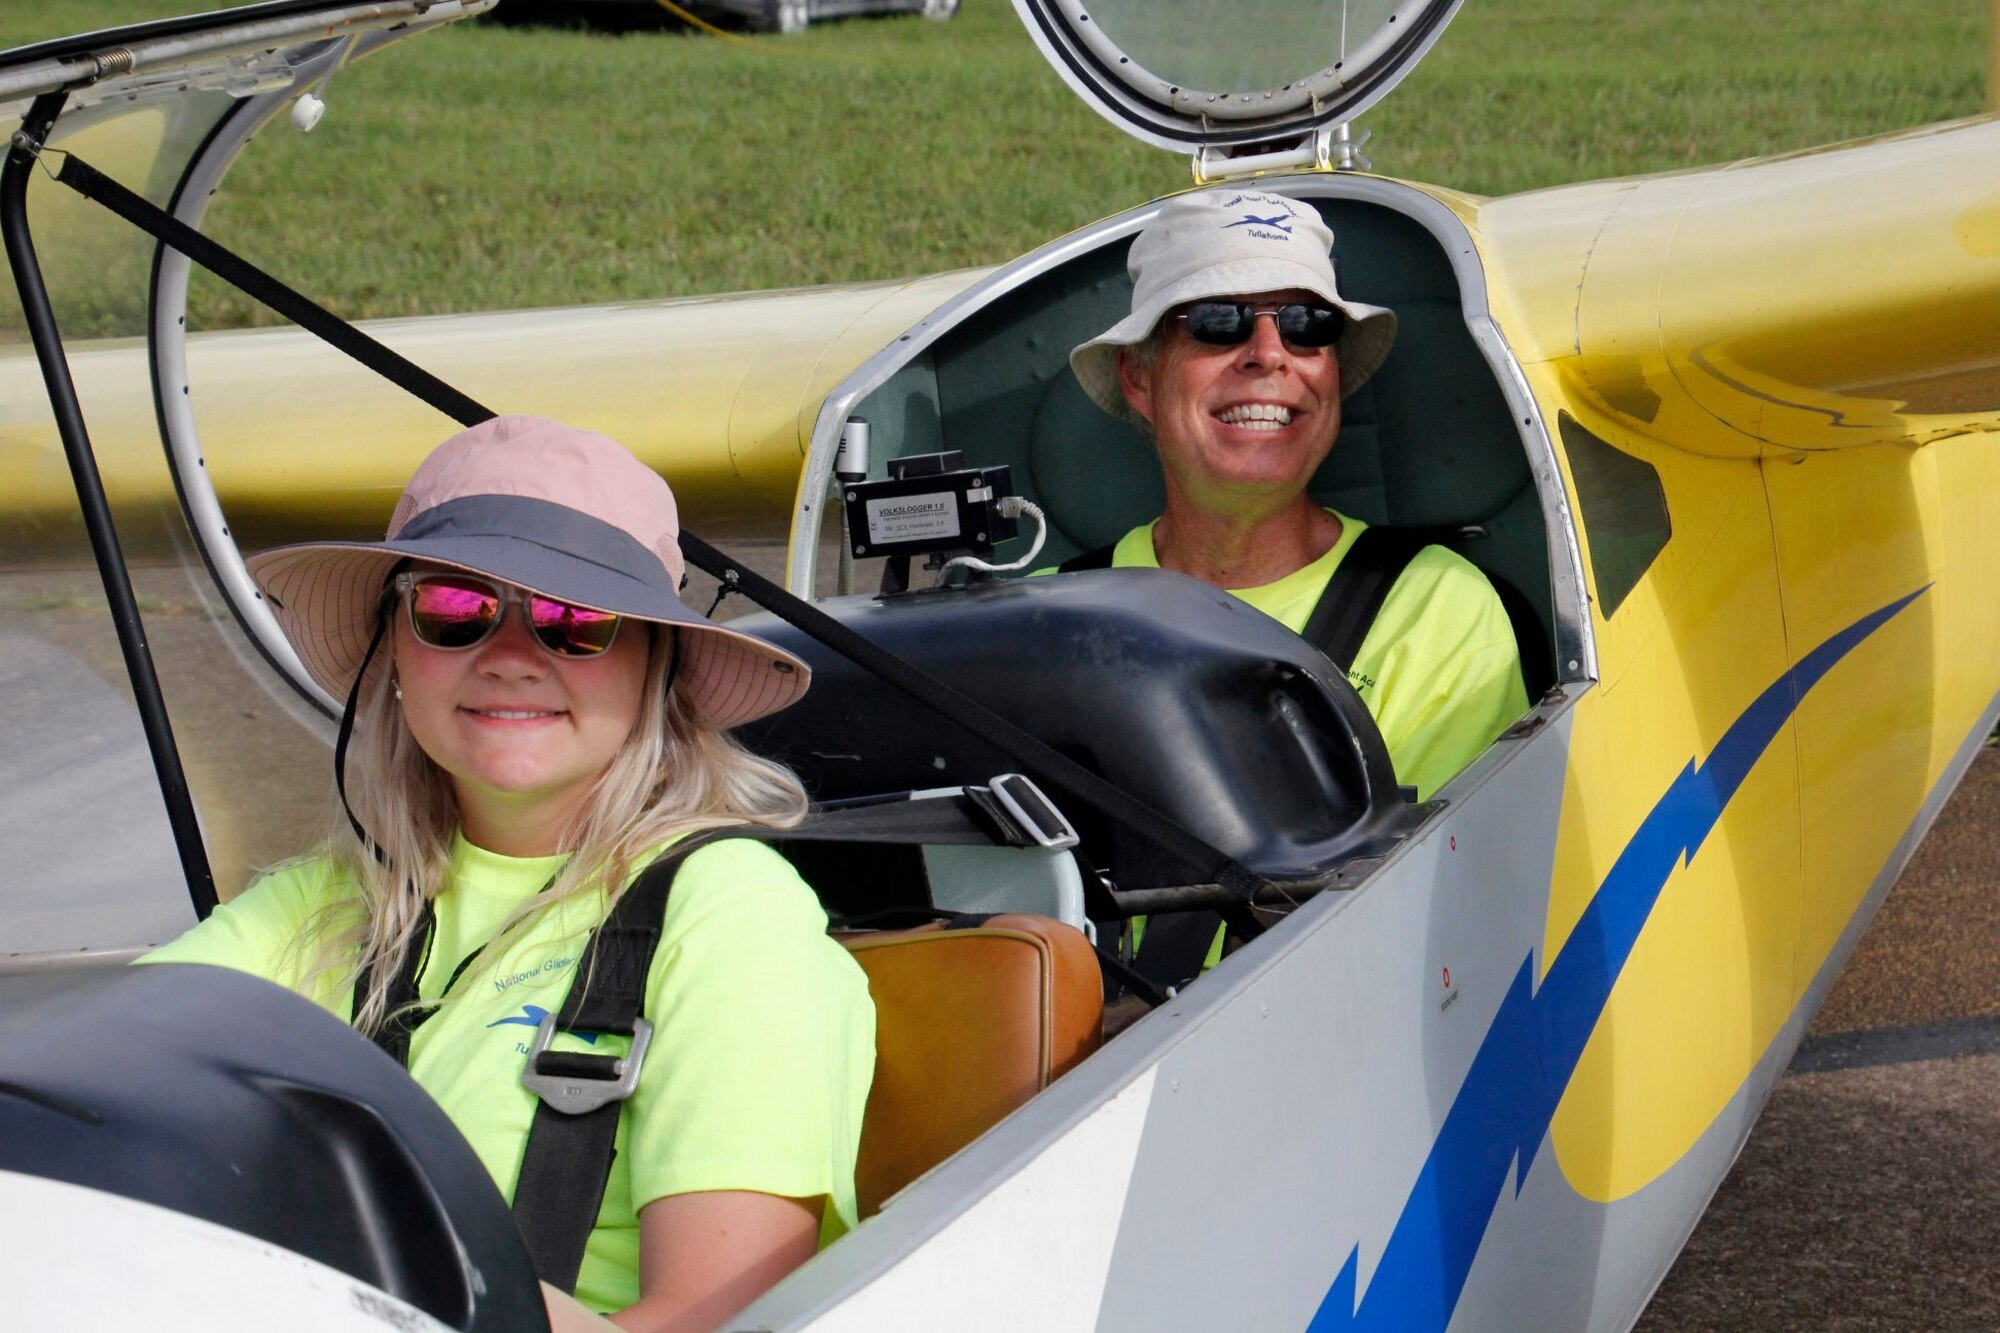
x=1807, y=350
x=1710, y=980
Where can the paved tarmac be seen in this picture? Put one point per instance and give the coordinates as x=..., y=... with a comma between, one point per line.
x=1868, y=1197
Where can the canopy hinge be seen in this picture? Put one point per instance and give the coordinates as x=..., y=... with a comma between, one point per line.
x=1327, y=148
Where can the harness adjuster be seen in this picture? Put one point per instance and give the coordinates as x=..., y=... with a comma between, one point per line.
x=575, y=1082
x=1034, y=812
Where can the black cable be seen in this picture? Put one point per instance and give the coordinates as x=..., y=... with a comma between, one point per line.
x=346, y=731
x=673, y=663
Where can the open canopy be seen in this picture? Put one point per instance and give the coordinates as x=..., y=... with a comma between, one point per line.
x=143, y=101
x=161, y=106
x=1217, y=74
x=237, y=51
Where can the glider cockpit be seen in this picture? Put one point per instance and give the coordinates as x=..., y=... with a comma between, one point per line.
x=1445, y=440
x=1521, y=1040
x=1430, y=442
x=1211, y=713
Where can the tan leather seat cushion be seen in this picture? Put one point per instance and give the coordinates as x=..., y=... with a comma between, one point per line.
x=969, y=1024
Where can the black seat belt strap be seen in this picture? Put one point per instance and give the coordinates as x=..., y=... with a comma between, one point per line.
x=401, y=1019
x=1346, y=610
x=566, y=1164
x=1097, y=559
x=1175, y=945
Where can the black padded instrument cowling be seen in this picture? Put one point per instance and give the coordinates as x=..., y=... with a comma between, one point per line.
x=212, y=1093
x=1200, y=706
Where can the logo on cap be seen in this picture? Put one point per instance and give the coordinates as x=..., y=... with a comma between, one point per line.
x=1275, y=226
x=1252, y=220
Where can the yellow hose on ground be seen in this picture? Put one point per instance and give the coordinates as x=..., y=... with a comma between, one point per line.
x=706, y=27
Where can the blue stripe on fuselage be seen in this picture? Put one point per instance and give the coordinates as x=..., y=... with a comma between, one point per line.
x=1517, y=1077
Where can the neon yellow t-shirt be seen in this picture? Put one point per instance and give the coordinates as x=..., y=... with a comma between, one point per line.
x=763, y=1044
x=1439, y=670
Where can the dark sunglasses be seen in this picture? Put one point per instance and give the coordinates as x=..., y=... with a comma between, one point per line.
x=1227, y=323
x=458, y=611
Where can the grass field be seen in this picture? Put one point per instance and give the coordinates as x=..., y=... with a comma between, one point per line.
x=488, y=167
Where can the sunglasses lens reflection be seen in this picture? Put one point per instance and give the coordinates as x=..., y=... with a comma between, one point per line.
x=571, y=631
x=1227, y=323
x=453, y=613
x=460, y=612
x=1311, y=325
x=1219, y=322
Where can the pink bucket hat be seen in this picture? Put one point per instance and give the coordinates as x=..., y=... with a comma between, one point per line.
x=1223, y=243
x=556, y=510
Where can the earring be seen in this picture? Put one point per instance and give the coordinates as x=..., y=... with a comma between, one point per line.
x=397, y=686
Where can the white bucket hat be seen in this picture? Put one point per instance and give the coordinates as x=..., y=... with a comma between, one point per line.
x=1229, y=243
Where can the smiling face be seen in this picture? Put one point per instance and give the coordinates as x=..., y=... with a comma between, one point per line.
x=1238, y=428
x=521, y=733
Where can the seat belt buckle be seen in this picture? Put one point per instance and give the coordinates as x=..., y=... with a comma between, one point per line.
x=576, y=1083
x=1033, y=813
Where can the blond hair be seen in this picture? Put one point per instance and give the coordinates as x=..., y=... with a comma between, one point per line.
x=674, y=775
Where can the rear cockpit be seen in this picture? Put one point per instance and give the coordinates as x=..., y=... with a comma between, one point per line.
x=1206, y=711
x=1433, y=441
x=1445, y=439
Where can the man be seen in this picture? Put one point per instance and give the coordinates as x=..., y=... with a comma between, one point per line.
x=1235, y=359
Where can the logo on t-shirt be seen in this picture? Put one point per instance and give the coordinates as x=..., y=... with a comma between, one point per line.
x=531, y=1016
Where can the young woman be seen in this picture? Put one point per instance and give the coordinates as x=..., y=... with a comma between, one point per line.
x=535, y=716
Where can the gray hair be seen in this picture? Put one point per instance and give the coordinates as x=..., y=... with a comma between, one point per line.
x=1146, y=352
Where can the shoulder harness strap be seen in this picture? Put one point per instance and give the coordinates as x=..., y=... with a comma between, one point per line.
x=404, y=1020
x=567, y=1161
x=1354, y=595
